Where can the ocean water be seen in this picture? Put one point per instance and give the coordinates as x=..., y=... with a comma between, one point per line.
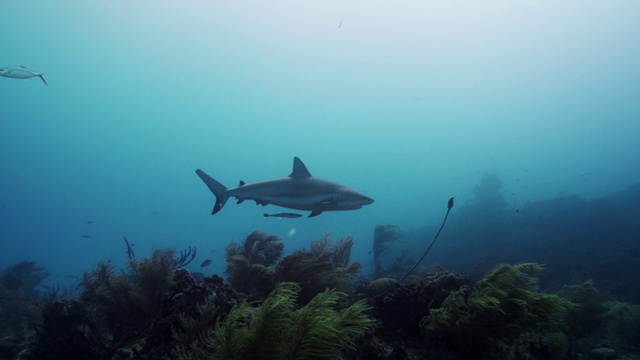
x=409, y=102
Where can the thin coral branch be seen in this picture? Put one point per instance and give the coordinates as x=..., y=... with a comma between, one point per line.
x=185, y=258
x=130, y=253
x=383, y=236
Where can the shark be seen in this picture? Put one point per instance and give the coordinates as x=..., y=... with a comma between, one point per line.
x=299, y=191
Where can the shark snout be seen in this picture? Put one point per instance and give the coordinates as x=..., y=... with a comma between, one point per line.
x=366, y=200
x=360, y=200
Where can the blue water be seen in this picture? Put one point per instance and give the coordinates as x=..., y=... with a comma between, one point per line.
x=407, y=102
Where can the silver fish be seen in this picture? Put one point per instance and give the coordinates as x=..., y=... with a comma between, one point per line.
x=20, y=72
x=283, y=215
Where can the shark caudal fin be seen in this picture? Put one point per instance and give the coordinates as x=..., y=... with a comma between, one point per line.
x=43, y=80
x=219, y=190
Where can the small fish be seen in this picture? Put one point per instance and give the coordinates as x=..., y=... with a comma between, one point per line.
x=517, y=211
x=89, y=222
x=205, y=263
x=339, y=26
x=20, y=72
x=86, y=236
x=283, y=215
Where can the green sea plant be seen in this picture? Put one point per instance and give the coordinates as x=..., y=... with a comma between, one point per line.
x=67, y=330
x=277, y=330
x=249, y=263
x=130, y=301
x=593, y=318
x=324, y=266
x=623, y=325
x=587, y=316
x=504, y=305
x=188, y=336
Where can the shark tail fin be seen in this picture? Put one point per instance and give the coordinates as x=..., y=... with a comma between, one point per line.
x=43, y=80
x=219, y=190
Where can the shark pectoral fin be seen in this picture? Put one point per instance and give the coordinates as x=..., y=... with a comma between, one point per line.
x=315, y=213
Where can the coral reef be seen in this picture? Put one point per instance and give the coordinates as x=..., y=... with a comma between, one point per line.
x=306, y=306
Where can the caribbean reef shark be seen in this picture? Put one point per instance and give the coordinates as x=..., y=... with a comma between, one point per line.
x=299, y=191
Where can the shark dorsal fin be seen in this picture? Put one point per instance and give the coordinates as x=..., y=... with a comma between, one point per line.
x=299, y=170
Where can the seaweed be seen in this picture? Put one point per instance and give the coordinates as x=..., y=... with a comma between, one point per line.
x=623, y=325
x=188, y=335
x=324, y=266
x=248, y=262
x=128, y=303
x=587, y=316
x=68, y=330
x=505, y=305
x=278, y=331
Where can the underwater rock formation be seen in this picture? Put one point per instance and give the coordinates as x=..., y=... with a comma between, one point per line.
x=404, y=305
x=18, y=293
x=25, y=275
